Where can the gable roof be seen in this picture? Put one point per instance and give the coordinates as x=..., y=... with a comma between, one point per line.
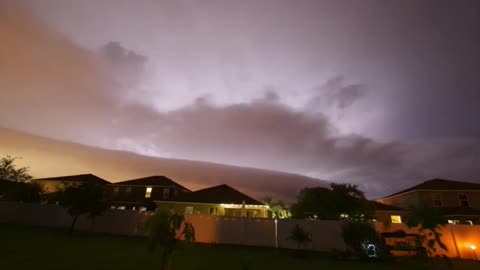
x=218, y=194
x=377, y=206
x=440, y=184
x=154, y=180
x=90, y=178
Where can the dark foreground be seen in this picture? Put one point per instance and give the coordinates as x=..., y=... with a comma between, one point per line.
x=37, y=248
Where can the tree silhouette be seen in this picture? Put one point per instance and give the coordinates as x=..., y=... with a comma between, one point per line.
x=9, y=172
x=339, y=201
x=299, y=235
x=86, y=198
x=166, y=230
x=15, y=184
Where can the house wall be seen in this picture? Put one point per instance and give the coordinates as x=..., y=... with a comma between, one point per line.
x=448, y=198
x=136, y=194
x=457, y=238
x=402, y=200
x=204, y=209
x=386, y=216
x=53, y=186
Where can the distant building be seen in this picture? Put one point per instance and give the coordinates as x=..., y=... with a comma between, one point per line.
x=139, y=194
x=458, y=201
x=54, y=184
x=221, y=200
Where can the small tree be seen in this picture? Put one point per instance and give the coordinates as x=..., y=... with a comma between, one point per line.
x=359, y=236
x=15, y=184
x=428, y=220
x=167, y=229
x=299, y=235
x=86, y=198
x=9, y=172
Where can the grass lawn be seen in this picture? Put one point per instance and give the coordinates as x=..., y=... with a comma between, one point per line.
x=38, y=248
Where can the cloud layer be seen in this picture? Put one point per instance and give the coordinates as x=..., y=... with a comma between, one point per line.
x=55, y=88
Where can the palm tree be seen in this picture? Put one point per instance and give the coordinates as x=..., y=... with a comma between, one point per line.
x=428, y=220
x=277, y=208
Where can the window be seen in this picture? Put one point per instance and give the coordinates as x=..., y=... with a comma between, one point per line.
x=437, y=200
x=453, y=221
x=213, y=211
x=142, y=208
x=129, y=189
x=396, y=219
x=166, y=193
x=188, y=210
x=121, y=207
x=463, y=200
x=148, y=192
x=116, y=189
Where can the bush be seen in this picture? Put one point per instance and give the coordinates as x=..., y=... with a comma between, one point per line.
x=362, y=239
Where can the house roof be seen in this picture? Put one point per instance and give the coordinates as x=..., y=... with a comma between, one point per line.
x=76, y=178
x=218, y=194
x=155, y=180
x=440, y=184
x=385, y=207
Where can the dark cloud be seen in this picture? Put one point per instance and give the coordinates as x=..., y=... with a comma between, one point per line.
x=336, y=93
x=268, y=134
x=125, y=65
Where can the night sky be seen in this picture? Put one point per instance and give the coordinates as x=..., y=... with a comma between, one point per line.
x=378, y=93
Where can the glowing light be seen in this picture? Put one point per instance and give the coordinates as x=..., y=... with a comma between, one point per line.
x=148, y=192
x=396, y=219
x=473, y=247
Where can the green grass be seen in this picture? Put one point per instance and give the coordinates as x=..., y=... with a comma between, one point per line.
x=38, y=248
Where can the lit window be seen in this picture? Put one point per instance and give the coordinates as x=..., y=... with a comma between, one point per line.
x=129, y=189
x=148, y=192
x=396, y=219
x=121, y=207
x=142, y=208
x=469, y=222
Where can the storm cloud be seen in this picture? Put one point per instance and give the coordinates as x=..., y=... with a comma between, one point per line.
x=102, y=96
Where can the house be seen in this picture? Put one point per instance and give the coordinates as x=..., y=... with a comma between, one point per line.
x=221, y=200
x=54, y=184
x=139, y=194
x=456, y=200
